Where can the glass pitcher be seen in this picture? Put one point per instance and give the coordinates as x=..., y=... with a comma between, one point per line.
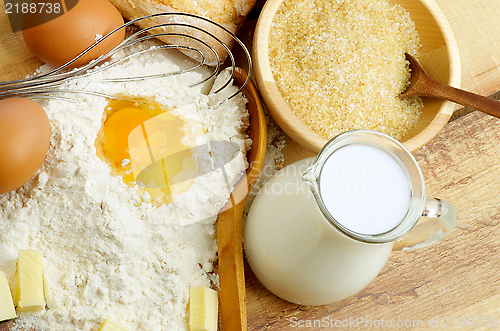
x=321, y=229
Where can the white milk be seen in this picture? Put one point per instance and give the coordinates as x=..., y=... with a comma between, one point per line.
x=365, y=189
x=296, y=253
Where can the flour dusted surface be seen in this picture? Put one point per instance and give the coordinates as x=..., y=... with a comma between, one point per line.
x=107, y=252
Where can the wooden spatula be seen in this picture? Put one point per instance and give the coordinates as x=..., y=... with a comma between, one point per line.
x=229, y=226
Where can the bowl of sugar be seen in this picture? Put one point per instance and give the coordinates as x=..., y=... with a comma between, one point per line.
x=328, y=66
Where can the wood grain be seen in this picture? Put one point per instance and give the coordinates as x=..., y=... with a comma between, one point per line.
x=16, y=60
x=457, y=278
x=476, y=25
x=6, y=326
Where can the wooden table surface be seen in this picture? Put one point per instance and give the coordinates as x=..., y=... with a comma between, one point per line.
x=454, y=285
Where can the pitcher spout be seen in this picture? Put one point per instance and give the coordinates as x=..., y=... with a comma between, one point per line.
x=309, y=176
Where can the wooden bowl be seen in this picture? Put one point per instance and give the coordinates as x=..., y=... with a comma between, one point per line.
x=439, y=57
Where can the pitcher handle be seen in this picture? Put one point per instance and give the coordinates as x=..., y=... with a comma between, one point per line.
x=429, y=231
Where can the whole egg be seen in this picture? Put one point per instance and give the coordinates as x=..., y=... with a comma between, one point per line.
x=24, y=141
x=57, y=38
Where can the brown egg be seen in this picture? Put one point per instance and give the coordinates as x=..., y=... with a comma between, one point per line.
x=57, y=38
x=24, y=141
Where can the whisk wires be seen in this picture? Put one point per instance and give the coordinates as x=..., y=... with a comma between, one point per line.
x=46, y=84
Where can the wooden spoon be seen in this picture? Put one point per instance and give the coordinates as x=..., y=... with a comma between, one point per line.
x=423, y=85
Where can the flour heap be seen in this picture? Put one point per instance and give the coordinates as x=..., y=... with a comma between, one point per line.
x=107, y=251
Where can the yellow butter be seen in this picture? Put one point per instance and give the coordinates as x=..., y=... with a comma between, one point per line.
x=109, y=325
x=29, y=294
x=7, y=310
x=203, y=311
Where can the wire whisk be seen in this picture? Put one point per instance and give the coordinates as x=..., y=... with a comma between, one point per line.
x=44, y=85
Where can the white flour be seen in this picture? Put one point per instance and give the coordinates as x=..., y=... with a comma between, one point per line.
x=106, y=252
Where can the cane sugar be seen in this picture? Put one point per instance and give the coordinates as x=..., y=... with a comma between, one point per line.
x=340, y=64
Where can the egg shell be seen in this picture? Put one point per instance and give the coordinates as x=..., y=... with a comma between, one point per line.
x=58, y=40
x=24, y=141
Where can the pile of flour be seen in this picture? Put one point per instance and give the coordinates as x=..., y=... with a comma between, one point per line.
x=107, y=252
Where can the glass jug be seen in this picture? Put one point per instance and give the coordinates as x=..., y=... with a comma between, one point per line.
x=321, y=229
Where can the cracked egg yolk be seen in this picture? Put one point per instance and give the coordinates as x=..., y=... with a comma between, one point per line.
x=141, y=141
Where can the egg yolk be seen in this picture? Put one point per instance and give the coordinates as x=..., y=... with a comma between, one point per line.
x=142, y=142
x=117, y=129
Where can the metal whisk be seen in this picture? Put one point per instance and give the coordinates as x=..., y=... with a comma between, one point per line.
x=41, y=86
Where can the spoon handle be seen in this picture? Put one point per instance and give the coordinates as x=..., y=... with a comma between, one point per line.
x=475, y=101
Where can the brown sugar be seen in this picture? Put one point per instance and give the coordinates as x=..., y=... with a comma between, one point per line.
x=340, y=64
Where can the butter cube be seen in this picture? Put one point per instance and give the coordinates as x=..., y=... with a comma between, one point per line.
x=109, y=325
x=7, y=310
x=203, y=311
x=29, y=294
